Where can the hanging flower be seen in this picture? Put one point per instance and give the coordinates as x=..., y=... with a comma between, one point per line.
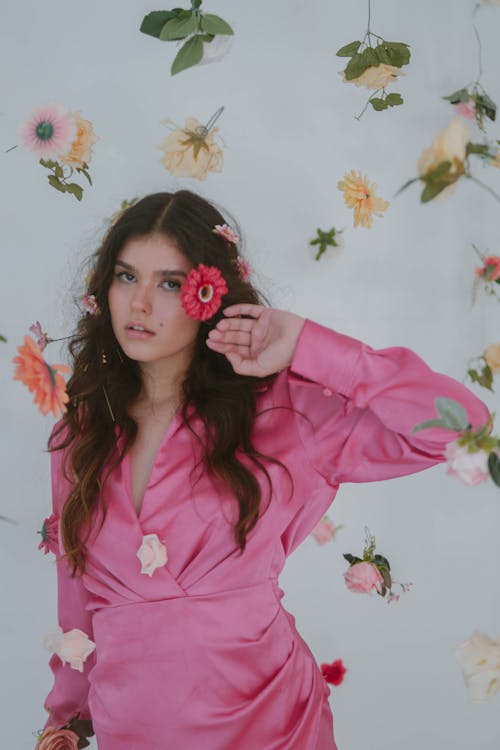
x=360, y=195
x=334, y=672
x=492, y=357
x=41, y=338
x=90, y=304
x=49, y=131
x=466, y=109
x=215, y=50
x=80, y=152
x=325, y=530
x=371, y=573
x=479, y=658
x=448, y=146
x=49, y=532
x=376, y=77
x=191, y=151
x=72, y=646
x=490, y=270
x=152, y=553
x=226, y=233
x=42, y=379
x=244, y=269
x=57, y=739
x=470, y=467
x=202, y=292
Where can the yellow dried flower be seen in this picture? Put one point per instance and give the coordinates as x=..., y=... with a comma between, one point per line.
x=376, y=77
x=191, y=151
x=360, y=195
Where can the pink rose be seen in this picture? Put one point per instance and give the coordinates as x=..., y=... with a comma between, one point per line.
x=324, y=531
x=363, y=577
x=493, y=263
x=73, y=646
x=471, y=468
x=57, y=739
x=152, y=554
x=466, y=109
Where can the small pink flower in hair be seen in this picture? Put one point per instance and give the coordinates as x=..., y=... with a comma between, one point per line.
x=226, y=233
x=244, y=269
x=41, y=338
x=90, y=305
x=202, y=292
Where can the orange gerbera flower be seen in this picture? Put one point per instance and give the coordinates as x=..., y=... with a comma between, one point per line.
x=44, y=380
x=360, y=195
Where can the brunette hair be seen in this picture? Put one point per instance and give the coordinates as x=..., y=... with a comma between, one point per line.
x=222, y=398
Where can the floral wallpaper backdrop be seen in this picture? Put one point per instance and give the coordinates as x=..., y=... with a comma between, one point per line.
x=329, y=234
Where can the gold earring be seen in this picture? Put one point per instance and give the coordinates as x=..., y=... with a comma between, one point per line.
x=104, y=361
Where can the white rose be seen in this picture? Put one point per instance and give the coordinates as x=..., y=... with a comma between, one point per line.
x=471, y=468
x=152, y=554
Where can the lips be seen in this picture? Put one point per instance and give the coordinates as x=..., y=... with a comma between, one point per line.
x=129, y=327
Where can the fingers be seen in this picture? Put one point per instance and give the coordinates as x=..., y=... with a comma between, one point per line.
x=244, y=309
x=230, y=337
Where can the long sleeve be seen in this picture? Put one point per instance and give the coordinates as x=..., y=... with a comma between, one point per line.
x=358, y=406
x=69, y=693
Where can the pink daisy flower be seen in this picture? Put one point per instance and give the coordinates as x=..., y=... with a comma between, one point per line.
x=244, y=269
x=49, y=132
x=226, y=233
x=90, y=304
x=49, y=534
x=202, y=291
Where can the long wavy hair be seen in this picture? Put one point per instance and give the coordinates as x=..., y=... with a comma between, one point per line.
x=223, y=399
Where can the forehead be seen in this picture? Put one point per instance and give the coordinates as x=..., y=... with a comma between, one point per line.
x=153, y=253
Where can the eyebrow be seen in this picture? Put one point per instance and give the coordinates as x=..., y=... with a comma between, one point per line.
x=165, y=272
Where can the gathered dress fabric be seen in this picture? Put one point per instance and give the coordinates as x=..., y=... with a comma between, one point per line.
x=202, y=654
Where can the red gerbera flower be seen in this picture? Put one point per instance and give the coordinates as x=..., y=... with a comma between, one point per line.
x=334, y=672
x=202, y=292
x=49, y=534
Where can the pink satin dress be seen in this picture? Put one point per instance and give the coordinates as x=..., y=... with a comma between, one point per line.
x=202, y=654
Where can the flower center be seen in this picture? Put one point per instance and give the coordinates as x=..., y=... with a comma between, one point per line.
x=44, y=130
x=205, y=293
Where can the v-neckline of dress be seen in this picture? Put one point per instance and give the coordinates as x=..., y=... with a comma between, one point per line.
x=173, y=424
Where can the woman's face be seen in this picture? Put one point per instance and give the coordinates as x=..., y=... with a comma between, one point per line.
x=145, y=292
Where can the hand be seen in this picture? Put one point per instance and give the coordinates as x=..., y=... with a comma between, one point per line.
x=259, y=345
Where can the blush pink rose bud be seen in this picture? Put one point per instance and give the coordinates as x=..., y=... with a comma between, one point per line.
x=470, y=468
x=466, y=109
x=363, y=577
x=324, y=531
x=74, y=646
x=57, y=739
x=152, y=554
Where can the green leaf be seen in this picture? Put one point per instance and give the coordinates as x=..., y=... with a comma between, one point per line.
x=378, y=104
x=48, y=163
x=428, y=423
x=154, y=22
x=487, y=105
x=179, y=28
x=484, y=378
x=431, y=190
x=189, y=54
x=382, y=54
x=452, y=413
x=355, y=67
x=56, y=183
x=84, y=171
x=2, y=338
x=494, y=467
x=399, y=53
x=476, y=148
x=206, y=37
x=386, y=576
x=352, y=559
x=215, y=24
x=392, y=100
x=59, y=172
x=75, y=189
x=370, y=57
x=349, y=50
x=462, y=95
x=382, y=561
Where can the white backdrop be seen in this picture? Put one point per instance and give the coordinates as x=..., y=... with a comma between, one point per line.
x=291, y=135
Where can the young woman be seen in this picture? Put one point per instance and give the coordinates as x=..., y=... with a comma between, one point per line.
x=206, y=436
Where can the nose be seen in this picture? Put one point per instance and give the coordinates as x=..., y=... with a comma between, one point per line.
x=141, y=300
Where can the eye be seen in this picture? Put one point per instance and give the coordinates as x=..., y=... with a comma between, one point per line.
x=176, y=284
x=120, y=274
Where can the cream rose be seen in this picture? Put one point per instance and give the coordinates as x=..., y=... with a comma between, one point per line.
x=470, y=468
x=80, y=152
x=73, y=646
x=479, y=658
x=152, y=554
x=450, y=145
x=190, y=153
x=492, y=357
x=376, y=76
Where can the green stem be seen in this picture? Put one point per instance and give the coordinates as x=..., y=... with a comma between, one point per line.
x=479, y=54
x=485, y=187
x=358, y=117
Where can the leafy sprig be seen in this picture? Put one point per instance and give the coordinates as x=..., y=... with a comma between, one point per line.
x=59, y=177
x=196, y=27
x=325, y=239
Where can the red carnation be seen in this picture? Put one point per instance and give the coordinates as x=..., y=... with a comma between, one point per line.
x=334, y=672
x=202, y=291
